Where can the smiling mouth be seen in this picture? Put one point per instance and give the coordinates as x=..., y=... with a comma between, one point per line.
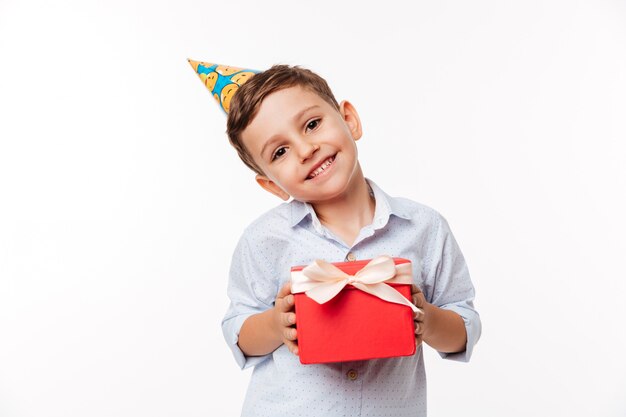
x=327, y=163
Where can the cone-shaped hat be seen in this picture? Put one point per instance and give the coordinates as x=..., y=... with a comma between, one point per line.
x=221, y=80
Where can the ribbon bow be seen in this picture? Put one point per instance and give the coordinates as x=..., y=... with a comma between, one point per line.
x=322, y=281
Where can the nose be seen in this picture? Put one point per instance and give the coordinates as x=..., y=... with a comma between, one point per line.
x=306, y=150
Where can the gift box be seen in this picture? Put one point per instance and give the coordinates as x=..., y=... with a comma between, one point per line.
x=349, y=311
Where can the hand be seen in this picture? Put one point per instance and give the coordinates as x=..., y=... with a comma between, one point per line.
x=417, y=297
x=285, y=318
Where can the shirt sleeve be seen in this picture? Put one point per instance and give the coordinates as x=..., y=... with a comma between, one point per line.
x=247, y=274
x=451, y=287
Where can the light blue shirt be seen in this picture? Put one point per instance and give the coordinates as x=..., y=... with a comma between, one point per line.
x=291, y=234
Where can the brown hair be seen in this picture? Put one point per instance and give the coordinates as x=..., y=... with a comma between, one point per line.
x=247, y=100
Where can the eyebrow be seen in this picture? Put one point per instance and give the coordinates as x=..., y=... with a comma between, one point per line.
x=295, y=118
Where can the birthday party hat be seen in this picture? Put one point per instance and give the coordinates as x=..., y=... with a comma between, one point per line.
x=221, y=80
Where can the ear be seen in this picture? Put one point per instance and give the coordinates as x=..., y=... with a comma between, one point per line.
x=271, y=187
x=351, y=118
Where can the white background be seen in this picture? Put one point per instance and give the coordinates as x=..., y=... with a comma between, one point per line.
x=121, y=199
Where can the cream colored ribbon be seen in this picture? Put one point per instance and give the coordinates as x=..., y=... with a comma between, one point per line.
x=321, y=280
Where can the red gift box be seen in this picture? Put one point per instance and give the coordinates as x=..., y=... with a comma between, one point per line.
x=354, y=324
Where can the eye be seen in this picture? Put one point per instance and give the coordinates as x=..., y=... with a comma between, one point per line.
x=279, y=152
x=313, y=124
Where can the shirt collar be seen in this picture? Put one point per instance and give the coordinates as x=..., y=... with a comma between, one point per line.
x=299, y=211
x=385, y=206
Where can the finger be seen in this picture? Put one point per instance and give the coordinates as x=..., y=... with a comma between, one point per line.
x=418, y=299
x=288, y=319
x=418, y=316
x=419, y=303
x=415, y=289
x=286, y=303
x=418, y=340
x=284, y=290
x=292, y=346
x=419, y=329
x=290, y=334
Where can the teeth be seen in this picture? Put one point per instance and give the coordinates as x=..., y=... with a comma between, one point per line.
x=321, y=168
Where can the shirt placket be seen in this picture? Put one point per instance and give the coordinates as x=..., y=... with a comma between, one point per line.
x=352, y=387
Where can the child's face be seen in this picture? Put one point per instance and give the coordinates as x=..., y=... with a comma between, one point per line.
x=296, y=133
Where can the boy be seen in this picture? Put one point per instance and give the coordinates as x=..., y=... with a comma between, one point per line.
x=287, y=127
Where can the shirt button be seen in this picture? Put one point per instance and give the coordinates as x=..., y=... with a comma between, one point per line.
x=351, y=257
x=352, y=374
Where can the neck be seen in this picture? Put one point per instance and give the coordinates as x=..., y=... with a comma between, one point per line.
x=350, y=212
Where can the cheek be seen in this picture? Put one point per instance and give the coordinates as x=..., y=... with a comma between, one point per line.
x=290, y=171
x=351, y=148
